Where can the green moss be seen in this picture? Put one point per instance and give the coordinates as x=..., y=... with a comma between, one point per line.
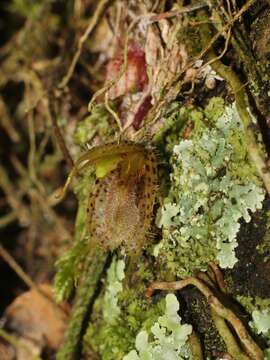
x=120, y=312
x=69, y=266
x=253, y=303
x=215, y=109
x=26, y=8
x=89, y=277
x=98, y=123
x=175, y=119
x=112, y=340
x=69, y=269
x=188, y=35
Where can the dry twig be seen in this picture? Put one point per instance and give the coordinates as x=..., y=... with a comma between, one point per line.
x=57, y=132
x=102, y=4
x=26, y=279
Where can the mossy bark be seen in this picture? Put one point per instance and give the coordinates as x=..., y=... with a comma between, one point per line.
x=189, y=80
x=187, y=119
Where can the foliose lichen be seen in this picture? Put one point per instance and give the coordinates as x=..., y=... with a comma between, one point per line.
x=168, y=337
x=115, y=276
x=260, y=324
x=213, y=186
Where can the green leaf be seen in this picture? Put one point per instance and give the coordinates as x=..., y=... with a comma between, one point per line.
x=103, y=167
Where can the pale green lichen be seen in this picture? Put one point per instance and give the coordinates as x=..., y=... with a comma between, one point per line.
x=168, y=337
x=261, y=322
x=213, y=187
x=66, y=277
x=115, y=276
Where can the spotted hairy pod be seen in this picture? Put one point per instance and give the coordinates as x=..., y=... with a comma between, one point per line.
x=121, y=202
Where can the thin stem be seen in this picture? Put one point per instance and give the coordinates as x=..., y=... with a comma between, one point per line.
x=231, y=344
x=7, y=219
x=26, y=279
x=57, y=132
x=195, y=346
x=102, y=4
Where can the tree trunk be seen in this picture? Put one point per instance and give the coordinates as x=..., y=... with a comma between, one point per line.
x=178, y=202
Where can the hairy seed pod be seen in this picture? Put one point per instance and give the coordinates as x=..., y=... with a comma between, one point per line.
x=121, y=203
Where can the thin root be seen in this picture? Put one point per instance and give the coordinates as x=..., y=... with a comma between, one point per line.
x=218, y=276
x=251, y=347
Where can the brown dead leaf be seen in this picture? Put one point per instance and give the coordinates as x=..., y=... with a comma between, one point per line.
x=6, y=351
x=36, y=319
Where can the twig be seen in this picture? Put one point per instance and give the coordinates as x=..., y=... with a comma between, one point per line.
x=32, y=141
x=18, y=270
x=77, y=9
x=7, y=219
x=13, y=198
x=207, y=277
x=32, y=152
x=222, y=30
x=170, y=86
x=251, y=347
x=153, y=17
x=218, y=275
x=182, y=10
x=37, y=197
x=6, y=123
x=19, y=167
x=231, y=343
x=111, y=83
x=195, y=346
x=58, y=135
x=92, y=24
x=228, y=36
x=112, y=112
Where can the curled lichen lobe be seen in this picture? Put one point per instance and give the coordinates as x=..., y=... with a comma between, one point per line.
x=121, y=203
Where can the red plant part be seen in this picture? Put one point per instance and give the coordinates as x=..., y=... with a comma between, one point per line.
x=142, y=112
x=135, y=77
